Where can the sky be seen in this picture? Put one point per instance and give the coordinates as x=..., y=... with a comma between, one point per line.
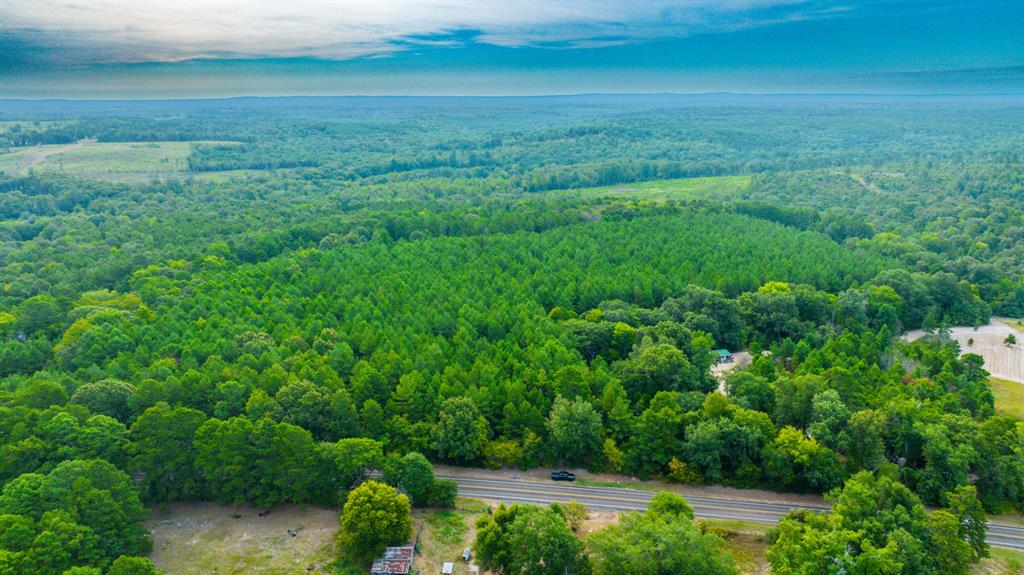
x=218, y=48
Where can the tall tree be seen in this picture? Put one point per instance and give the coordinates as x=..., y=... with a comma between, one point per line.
x=528, y=539
x=461, y=430
x=375, y=515
x=661, y=541
x=575, y=432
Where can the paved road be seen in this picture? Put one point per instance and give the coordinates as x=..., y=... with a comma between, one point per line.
x=618, y=499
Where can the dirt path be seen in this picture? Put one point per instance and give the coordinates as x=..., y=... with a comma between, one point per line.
x=1001, y=360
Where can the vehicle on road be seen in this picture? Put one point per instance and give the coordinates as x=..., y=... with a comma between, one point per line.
x=563, y=476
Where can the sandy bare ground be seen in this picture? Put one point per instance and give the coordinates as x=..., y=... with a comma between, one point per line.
x=205, y=538
x=1001, y=360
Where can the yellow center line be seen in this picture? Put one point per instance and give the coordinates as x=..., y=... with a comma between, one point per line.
x=557, y=493
x=616, y=499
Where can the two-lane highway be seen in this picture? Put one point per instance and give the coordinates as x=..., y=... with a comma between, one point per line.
x=624, y=499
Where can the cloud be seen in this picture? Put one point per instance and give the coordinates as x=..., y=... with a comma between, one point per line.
x=120, y=31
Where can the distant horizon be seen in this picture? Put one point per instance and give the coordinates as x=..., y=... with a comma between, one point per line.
x=899, y=95
x=204, y=49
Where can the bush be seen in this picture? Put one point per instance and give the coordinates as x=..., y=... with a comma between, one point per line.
x=680, y=472
x=443, y=493
x=502, y=453
x=666, y=502
x=614, y=459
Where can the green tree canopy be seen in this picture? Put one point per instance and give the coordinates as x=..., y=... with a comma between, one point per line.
x=528, y=539
x=375, y=515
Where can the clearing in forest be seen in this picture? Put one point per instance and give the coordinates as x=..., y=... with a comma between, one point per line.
x=1001, y=360
x=204, y=538
x=118, y=161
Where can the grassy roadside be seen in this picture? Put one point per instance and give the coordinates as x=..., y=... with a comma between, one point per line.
x=1001, y=562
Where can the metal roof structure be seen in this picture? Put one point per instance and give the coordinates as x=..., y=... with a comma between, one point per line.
x=395, y=561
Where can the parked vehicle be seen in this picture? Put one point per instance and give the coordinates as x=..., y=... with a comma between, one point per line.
x=563, y=476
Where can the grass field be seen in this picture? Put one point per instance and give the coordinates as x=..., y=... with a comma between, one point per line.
x=127, y=161
x=678, y=189
x=206, y=538
x=444, y=534
x=1009, y=397
x=747, y=541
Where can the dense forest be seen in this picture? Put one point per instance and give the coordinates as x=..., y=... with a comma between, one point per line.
x=339, y=287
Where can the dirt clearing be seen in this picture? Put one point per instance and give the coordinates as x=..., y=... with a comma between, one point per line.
x=1001, y=360
x=205, y=538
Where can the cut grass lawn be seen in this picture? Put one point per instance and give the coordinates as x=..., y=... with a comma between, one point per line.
x=677, y=189
x=1009, y=397
x=121, y=161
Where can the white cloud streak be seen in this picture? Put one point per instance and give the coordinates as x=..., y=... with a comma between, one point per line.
x=164, y=30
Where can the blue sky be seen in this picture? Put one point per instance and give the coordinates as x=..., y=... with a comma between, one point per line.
x=214, y=48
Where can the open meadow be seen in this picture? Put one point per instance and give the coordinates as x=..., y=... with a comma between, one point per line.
x=119, y=161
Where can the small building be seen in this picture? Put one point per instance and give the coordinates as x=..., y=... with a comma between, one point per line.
x=395, y=561
x=722, y=356
x=448, y=568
